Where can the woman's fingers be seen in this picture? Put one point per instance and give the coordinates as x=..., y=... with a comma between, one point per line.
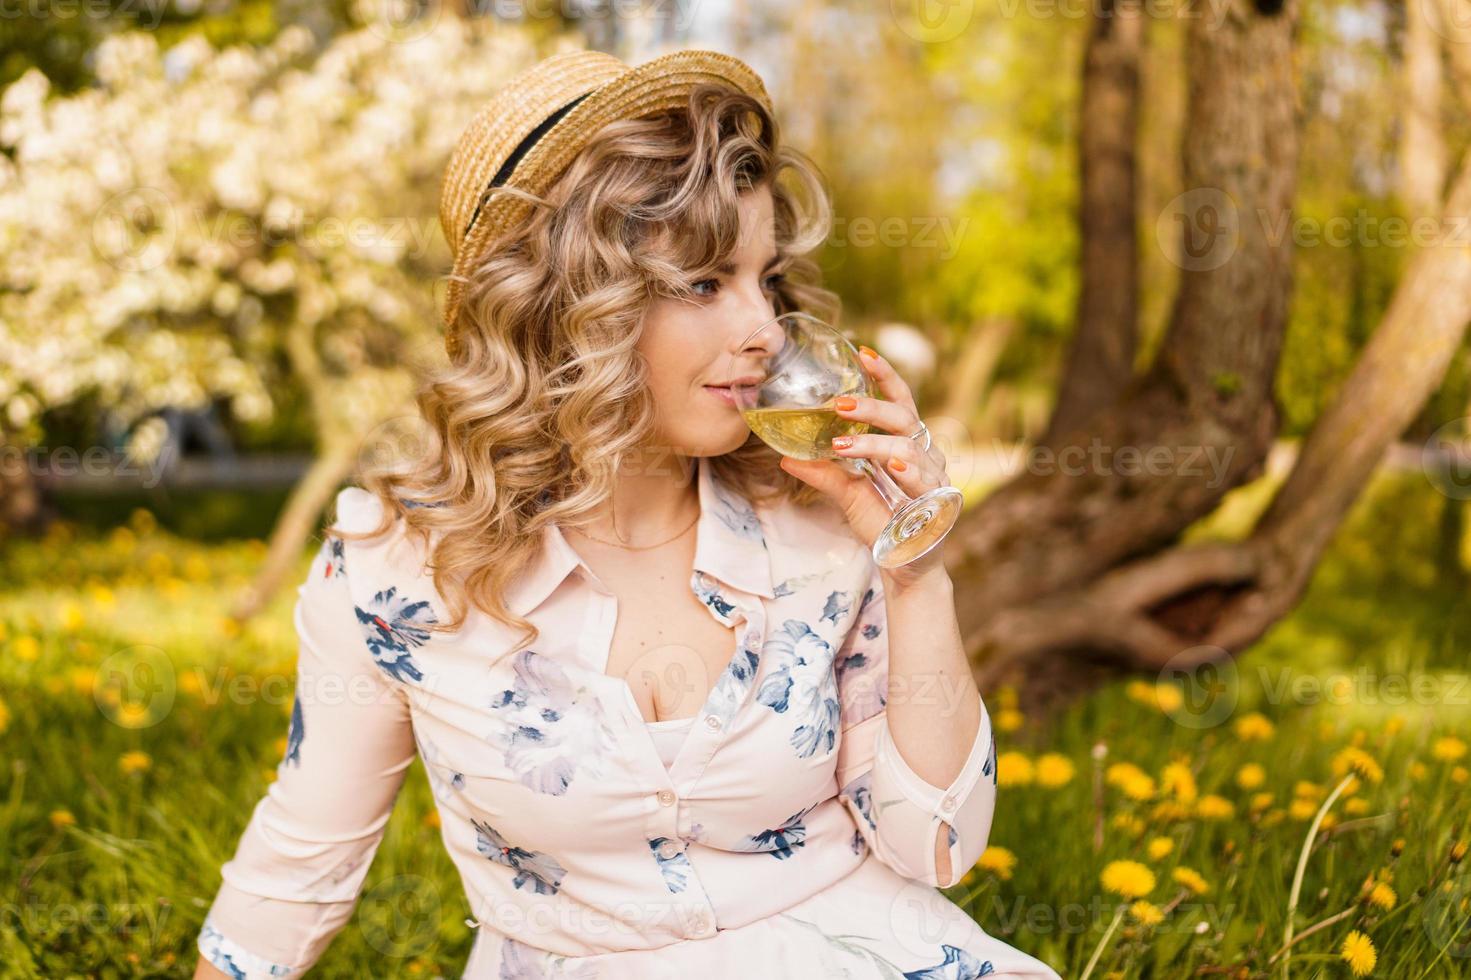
x=890, y=384
x=886, y=415
x=901, y=458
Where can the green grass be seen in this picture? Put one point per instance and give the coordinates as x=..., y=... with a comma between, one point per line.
x=109, y=874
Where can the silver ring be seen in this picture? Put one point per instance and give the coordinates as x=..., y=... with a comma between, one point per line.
x=923, y=430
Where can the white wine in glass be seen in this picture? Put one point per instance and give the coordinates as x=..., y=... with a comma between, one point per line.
x=803, y=433
x=789, y=371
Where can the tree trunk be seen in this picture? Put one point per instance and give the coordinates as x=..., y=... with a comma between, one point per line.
x=1100, y=360
x=1205, y=409
x=298, y=521
x=1188, y=605
x=1422, y=152
x=21, y=510
x=968, y=382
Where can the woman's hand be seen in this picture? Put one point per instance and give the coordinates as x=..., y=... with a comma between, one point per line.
x=915, y=471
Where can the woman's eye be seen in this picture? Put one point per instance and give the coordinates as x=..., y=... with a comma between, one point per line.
x=775, y=280
x=713, y=283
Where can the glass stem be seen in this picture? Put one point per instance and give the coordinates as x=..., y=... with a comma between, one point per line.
x=882, y=482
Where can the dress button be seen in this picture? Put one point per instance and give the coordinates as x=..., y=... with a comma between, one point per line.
x=712, y=722
x=666, y=796
x=669, y=848
x=947, y=804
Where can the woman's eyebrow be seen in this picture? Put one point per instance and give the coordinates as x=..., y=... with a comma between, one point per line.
x=728, y=268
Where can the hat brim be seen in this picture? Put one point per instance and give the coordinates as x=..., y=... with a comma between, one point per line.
x=658, y=85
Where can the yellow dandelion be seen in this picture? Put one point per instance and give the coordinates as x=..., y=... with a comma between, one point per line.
x=1146, y=913
x=134, y=762
x=72, y=616
x=1129, y=824
x=1260, y=801
x=1013, y=769
x=1448, y=748
x=1250, y=776
x=1140, y=789
x=1460, y=775
x=1128, y=878
x=82, y=679
x=1213, y=807
x=1120, y=772
x=1457, y=852
x=1008, y=720
x=1302, y=809
x=1191, y=879
x=1053, y=770
x=1254, y=727
x=997, y=860
x=1140, y=691
x=1358, y=952
x=102, y=596
x=1393, y=725
x=1307, y=790
x=1330, y=820
x=1159, y=848
x=1417, y=771
x=1362, y=763
x=431, y=819
x=1356, y=806
x=1169, y=811
x=1177, y=780
x=62, y=818
x=1383, y=896
x=26, y=648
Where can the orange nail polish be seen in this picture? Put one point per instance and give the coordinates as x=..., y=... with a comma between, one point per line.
x=899, y=465
x=868, y=352
x=844, y=403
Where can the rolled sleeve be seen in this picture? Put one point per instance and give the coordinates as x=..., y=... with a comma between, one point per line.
x=899, y=814
x=301, y=861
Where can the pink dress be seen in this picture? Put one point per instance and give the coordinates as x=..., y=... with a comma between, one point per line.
x=785, y=836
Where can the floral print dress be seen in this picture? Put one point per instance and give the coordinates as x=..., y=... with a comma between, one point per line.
x=786, y=838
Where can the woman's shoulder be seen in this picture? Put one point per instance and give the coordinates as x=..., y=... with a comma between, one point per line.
x=395, y=554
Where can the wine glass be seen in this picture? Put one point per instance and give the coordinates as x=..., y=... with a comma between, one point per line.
x=784, y=381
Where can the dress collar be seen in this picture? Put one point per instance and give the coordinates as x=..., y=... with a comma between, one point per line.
x=730, y=544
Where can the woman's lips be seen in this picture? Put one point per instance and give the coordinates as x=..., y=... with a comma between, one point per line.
x=722, y=393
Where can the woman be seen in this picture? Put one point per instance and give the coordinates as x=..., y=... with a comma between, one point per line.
x=677, y=721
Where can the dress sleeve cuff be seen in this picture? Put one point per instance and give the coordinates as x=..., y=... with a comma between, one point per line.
x=235, y=960
x=942, y=802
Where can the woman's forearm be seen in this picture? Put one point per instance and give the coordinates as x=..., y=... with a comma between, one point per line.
x=934, y=707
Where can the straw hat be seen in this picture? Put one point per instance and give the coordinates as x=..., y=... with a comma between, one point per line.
x=538, y=121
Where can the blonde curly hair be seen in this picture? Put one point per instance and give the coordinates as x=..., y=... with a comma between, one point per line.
x=546, y=395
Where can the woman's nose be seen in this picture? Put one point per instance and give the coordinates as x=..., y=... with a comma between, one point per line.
x=754, y=327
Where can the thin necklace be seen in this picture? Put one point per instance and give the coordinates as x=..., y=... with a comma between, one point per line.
x=642, y=547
